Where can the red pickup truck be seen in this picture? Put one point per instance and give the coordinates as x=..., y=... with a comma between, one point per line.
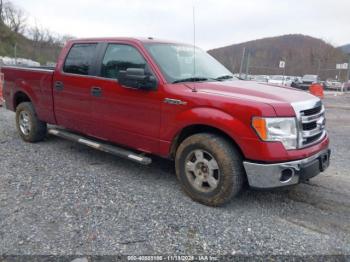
x=142, y=97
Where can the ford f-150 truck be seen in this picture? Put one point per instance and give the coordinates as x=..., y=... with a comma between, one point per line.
x=141, y=97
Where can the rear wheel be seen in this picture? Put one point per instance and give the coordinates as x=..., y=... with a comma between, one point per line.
x=30, y=128
x=209, y=168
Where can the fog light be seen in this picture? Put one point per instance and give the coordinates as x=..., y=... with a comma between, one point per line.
x=286, y=175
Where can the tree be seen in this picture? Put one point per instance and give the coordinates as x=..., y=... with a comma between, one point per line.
x=1, y=11
x=13, y=17
x=61, y=40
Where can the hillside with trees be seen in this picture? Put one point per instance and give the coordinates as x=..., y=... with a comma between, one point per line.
x=303, y=55
x=18, y=39
x=345, y=48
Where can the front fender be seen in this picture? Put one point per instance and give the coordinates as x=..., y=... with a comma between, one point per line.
x=237, y=129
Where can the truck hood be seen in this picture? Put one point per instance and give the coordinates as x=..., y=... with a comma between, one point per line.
x=258, y=92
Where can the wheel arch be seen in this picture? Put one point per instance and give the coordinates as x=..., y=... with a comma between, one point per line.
x=20, y=97
x=196, y=129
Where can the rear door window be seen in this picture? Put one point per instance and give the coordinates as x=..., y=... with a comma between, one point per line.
x=80, y=59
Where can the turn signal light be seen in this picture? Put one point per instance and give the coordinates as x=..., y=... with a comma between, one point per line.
x=259, y=125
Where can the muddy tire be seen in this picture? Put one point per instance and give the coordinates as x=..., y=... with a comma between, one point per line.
x=30, y=128
x=209, y=168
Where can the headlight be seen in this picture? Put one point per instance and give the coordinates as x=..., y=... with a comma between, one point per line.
x=282, y=129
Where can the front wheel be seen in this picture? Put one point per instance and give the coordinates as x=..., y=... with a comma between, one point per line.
x=209, y=168
x=30, y=128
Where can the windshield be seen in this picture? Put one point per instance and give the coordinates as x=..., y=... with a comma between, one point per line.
x=177, y=63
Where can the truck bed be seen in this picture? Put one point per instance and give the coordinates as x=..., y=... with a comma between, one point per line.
x=33, y=82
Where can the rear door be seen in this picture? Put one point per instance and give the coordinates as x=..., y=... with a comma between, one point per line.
x=122, y=114
x=72, y=88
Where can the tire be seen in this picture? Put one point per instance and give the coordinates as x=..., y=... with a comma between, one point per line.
x=196, y=170
x=30, y=128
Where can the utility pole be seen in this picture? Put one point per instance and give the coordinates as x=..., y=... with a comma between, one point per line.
x=15, y=53
x=319, y=67
x=348, y=76
x=284, y=71
x=247, y=66
x=242, y=62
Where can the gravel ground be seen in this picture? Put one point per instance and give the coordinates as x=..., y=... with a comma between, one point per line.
x=60, y=198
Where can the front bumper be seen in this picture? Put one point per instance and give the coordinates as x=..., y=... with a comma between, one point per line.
x=286, y=173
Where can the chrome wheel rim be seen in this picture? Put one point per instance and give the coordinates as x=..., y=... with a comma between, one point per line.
x=24, y=123
x=202, y=171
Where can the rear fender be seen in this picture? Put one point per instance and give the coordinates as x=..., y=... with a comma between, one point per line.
x=21, y=85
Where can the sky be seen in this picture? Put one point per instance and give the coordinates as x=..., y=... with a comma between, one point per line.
x=218, y=22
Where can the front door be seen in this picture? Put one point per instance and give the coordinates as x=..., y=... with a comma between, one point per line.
x=121, y=114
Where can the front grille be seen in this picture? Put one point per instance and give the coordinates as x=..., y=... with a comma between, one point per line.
x=311, y=140
x=312, y=125
x=309, y=126
x=312, y=111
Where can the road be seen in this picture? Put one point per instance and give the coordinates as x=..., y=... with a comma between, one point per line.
x=59, y=198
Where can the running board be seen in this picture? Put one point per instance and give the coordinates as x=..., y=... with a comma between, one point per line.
x=117, y=151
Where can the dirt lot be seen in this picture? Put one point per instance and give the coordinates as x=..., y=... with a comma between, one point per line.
x=58, y=197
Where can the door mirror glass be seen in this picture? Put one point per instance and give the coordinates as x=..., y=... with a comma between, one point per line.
x=137, y=78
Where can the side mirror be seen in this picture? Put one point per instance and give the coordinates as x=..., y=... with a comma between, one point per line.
x=137, y=78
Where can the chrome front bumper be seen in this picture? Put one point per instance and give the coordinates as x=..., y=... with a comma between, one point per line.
x=287, y=173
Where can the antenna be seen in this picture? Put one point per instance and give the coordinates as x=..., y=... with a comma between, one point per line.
x=194, y=45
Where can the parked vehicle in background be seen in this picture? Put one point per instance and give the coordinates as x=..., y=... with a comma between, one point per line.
x=307, y=81
x=346, y=86
x=296, y=81
x=17, y=61
x=276, y=80
x=288, y=80
x=280, y=80
x=261, y=78
x=144, y=96
x=332, y=84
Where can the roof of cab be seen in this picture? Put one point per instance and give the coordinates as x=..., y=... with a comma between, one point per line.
x=126, y=39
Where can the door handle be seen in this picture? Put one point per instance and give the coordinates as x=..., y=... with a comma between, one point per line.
x=59, y=85
x=96, y=91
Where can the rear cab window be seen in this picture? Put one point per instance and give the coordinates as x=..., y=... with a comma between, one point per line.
x=80, y=59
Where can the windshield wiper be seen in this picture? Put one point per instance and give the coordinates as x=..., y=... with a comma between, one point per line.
x=191, y=79
x=224, y=77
